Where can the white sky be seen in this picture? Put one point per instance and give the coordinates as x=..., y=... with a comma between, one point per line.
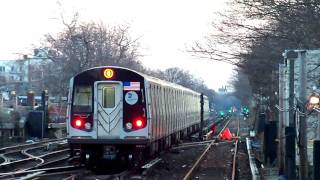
x=167, y=28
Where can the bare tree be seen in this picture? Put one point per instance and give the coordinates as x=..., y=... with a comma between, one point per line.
x=252, y=35
x=243, y=91
x=84, y=45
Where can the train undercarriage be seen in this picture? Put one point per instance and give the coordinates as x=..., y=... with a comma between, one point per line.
x=104, y=155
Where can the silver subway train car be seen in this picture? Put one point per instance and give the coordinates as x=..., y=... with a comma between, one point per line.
x=117, y=114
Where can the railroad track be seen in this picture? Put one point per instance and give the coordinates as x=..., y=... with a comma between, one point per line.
x=234, y=162
x=73, y=172
x=15, y=153
x=33, y=162
x=40, y=168
x=13, y=156
x=23, y=146
x=20, y=153
x=209, y=144
x=44, y=172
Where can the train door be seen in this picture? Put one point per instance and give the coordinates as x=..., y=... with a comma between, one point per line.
x=109, y=106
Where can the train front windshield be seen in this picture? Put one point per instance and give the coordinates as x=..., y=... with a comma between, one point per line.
x=82, y=99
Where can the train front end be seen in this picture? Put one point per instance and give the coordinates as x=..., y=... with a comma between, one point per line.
x=107, y=115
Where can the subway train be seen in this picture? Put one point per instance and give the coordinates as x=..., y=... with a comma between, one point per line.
x=121, y=115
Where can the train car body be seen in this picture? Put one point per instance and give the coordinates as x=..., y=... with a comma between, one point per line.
x=117, y=113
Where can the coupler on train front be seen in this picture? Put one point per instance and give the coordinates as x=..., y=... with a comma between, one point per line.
x=111, y=156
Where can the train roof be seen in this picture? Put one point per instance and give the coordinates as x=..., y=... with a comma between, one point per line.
x=147, y=77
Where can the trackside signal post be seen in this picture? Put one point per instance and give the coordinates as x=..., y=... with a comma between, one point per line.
x=44, y=102
x=303, y=170
x=201, y=117
x=316, y=160
x=290, y=132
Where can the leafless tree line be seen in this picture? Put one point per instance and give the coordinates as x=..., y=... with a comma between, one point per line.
x=84, y=45
x=253, y=34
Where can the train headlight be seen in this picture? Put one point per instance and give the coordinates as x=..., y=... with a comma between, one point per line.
x=129, y=125
x=108, y=73
x=87, y=125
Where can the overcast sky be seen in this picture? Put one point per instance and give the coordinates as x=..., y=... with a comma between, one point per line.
x=166, y=28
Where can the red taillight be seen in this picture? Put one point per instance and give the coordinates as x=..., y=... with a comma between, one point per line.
x=139, y=123
x=82, y=121
x=78, y=123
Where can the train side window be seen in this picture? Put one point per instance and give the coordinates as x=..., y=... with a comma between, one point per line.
x=180, y=109
x=155, y=101
x=170, y=108
x=82, y=99
x=153, y=114
x=159, y=110
x=160, y=122
x=108, y=97
x=176, y=105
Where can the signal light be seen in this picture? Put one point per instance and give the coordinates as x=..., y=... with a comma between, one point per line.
x=78, y=123
x=82, y=121
x=108, y=73
x=138, y=123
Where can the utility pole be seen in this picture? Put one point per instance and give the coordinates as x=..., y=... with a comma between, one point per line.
x=201, y=117
x=316, y=159
x=281, y=119
x=303, y=170
x=44, y=99
x=290, y=157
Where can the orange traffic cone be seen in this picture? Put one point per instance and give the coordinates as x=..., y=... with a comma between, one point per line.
x=226, y=134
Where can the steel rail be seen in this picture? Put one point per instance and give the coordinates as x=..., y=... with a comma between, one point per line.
x=18, y=162
x=46, y=170
x=13, y=156
x=70, y=174
x=5, y=159
x=17, y=147
x=235, y=153
x=46, y=157
x=187, y=146
x=22, y=152
x=49, y=163
x=32, y=156
x=25, y=163
x=197, y=163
